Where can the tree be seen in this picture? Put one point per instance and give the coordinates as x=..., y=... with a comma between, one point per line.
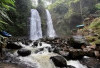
x=23, y=8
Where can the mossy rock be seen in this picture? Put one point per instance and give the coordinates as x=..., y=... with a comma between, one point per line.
x=97, y=41
x=91, y=38
x=95, y=24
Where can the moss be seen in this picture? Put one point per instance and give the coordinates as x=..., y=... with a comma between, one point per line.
x=95, y=24
x=97, y=41
x=91, y=38
x=95, y=30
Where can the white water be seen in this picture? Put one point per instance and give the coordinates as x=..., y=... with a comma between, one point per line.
x=50, y=29
x=42, y=58
x=76, y=64
x=36, y=60
x=35, y=25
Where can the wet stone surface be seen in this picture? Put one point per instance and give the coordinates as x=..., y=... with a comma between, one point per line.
x=9, y=65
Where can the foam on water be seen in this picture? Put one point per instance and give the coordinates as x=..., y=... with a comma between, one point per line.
x=44, y=45
x=40, y=59
x=76, y=64
x=35, y=60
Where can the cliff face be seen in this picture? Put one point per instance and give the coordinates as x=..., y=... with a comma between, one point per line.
x=67, y=14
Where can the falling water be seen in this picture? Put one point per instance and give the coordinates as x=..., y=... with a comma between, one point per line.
x=50, y=29
x=35, y=25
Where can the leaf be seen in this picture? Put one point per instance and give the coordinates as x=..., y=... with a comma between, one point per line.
x=11, y=2
x=7, y=6
x=2, y=22
x=4, y=16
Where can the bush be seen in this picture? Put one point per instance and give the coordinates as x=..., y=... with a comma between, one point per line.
x=97, y=6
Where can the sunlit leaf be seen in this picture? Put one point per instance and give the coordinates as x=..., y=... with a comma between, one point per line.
x=2, y=22
x=11, y=2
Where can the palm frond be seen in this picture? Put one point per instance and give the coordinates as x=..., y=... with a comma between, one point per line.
x=4, y=16
x=11, y=2
x=7, y=7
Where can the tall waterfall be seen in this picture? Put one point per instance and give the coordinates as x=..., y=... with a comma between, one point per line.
x=50, y=29
x=35, y=25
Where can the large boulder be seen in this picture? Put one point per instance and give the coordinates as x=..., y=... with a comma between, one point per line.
x=91, y=62
x=77, y=41
x=75, y=54
x=59, y=61
x=24, y=52
x=35, y=44
x=13, y=45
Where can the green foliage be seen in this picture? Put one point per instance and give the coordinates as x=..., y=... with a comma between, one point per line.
x=97, y=6
x=95, y=24
x=69, y=13
x=69, y=2
x=9, y=2
x=5, y=5
x=22, y=15
x=61, y=8
x=52, y=6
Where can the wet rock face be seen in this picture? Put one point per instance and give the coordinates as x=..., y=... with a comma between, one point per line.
x=77, y=41
x=9, y=65
x=24, y=52
x=59, y=61
x=12, y=45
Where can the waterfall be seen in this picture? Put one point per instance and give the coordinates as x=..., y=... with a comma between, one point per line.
x=50, y=29
x=35, y=25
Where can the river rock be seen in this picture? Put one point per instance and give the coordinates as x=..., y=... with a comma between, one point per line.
x=97, y=46
x=64, y=54
x=91, y=62
x=24, y=52
x=75, y=54
x=35, y=44
x=77, y=41
x=59, y=61
x=13, y=45
x=56, y=50
x=27, y=42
